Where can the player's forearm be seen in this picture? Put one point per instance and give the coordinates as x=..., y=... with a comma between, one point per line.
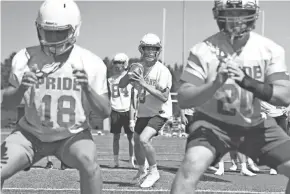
x=12, y=97
x=99, y=103
x=182, y=112
x=124, y=81
x=192, y=96
x=132, y=114
x=276, y=93
x=281, y=95
x=156, y=93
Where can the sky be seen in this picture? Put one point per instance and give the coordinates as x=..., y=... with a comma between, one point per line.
x=109, y=27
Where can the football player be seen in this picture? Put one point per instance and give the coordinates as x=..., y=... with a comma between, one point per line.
x=280, y=115
x=120, y=101
x=49, y=164
x=60, y=83
x=226, y=77
x=155, y=106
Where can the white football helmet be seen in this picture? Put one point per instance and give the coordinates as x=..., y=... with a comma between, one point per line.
x=121, y=58
x=236, y=17
x=153, y=42
x=58, y=25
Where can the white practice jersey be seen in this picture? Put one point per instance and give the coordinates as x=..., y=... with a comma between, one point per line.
x=261, y=58
x=271, y=110
x=56, y=108
x=160, y=77
x=120, y=97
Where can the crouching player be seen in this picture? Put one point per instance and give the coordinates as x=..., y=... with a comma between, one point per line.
x=59, y=82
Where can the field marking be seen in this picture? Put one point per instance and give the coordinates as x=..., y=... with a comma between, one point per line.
x=139, y=190
x=7, y=133
x=33, y=168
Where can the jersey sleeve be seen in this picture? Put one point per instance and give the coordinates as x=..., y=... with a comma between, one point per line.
x=165, y=80
x=195, y=71
x=18, y=68
x=276, y=68
x=97, y=75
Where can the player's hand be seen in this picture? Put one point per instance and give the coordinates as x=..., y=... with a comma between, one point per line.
x=29, y=79
x=38, y=59
x=138, y=78
x=236, y=73
x=184, y=120
x=222, y=74
x=132, y=124
x=81, y=78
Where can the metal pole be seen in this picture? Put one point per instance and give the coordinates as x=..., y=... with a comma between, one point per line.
x=163, y=35
x=263, y=22
x=183, y=32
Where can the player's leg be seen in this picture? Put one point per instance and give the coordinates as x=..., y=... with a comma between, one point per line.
x=16, y=154
x=151, y=130
x=221, y=169
x=126, y=125
x=233, y=156
x=49, y=164
x=116, y=148
x=80, y=152
x=244, y=169
x=141, y=123
x=269, y=145
x=205, y=147
x=252, y=165
x=282, y=122
x=116, y=126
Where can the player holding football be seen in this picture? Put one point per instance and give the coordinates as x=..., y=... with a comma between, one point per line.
x=154, y=108
x=60, y=83
x=225, y=78
x=120, y=101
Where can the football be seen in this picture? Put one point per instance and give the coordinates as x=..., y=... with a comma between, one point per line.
x=136, y=67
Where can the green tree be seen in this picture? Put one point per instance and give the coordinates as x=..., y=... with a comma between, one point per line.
x=5, y=70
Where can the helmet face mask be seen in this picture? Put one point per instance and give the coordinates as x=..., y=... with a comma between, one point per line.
x=236, y=18
x=118, y=67
x=56, y=41
x=150, y=53
x=120, y=63
x=58, y=25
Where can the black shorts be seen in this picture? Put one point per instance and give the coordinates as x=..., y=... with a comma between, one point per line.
x=119, y=120
x=190, y=121
x=266, y=143
x=282, y=121
x=155, y=122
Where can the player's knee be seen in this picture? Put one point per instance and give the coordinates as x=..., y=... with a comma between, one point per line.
x=130, y=136
x=195, y=165
x=144, y=140
x=12, y=163
x=88, y=163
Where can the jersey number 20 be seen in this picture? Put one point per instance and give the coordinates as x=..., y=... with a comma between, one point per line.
x=245, y=105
